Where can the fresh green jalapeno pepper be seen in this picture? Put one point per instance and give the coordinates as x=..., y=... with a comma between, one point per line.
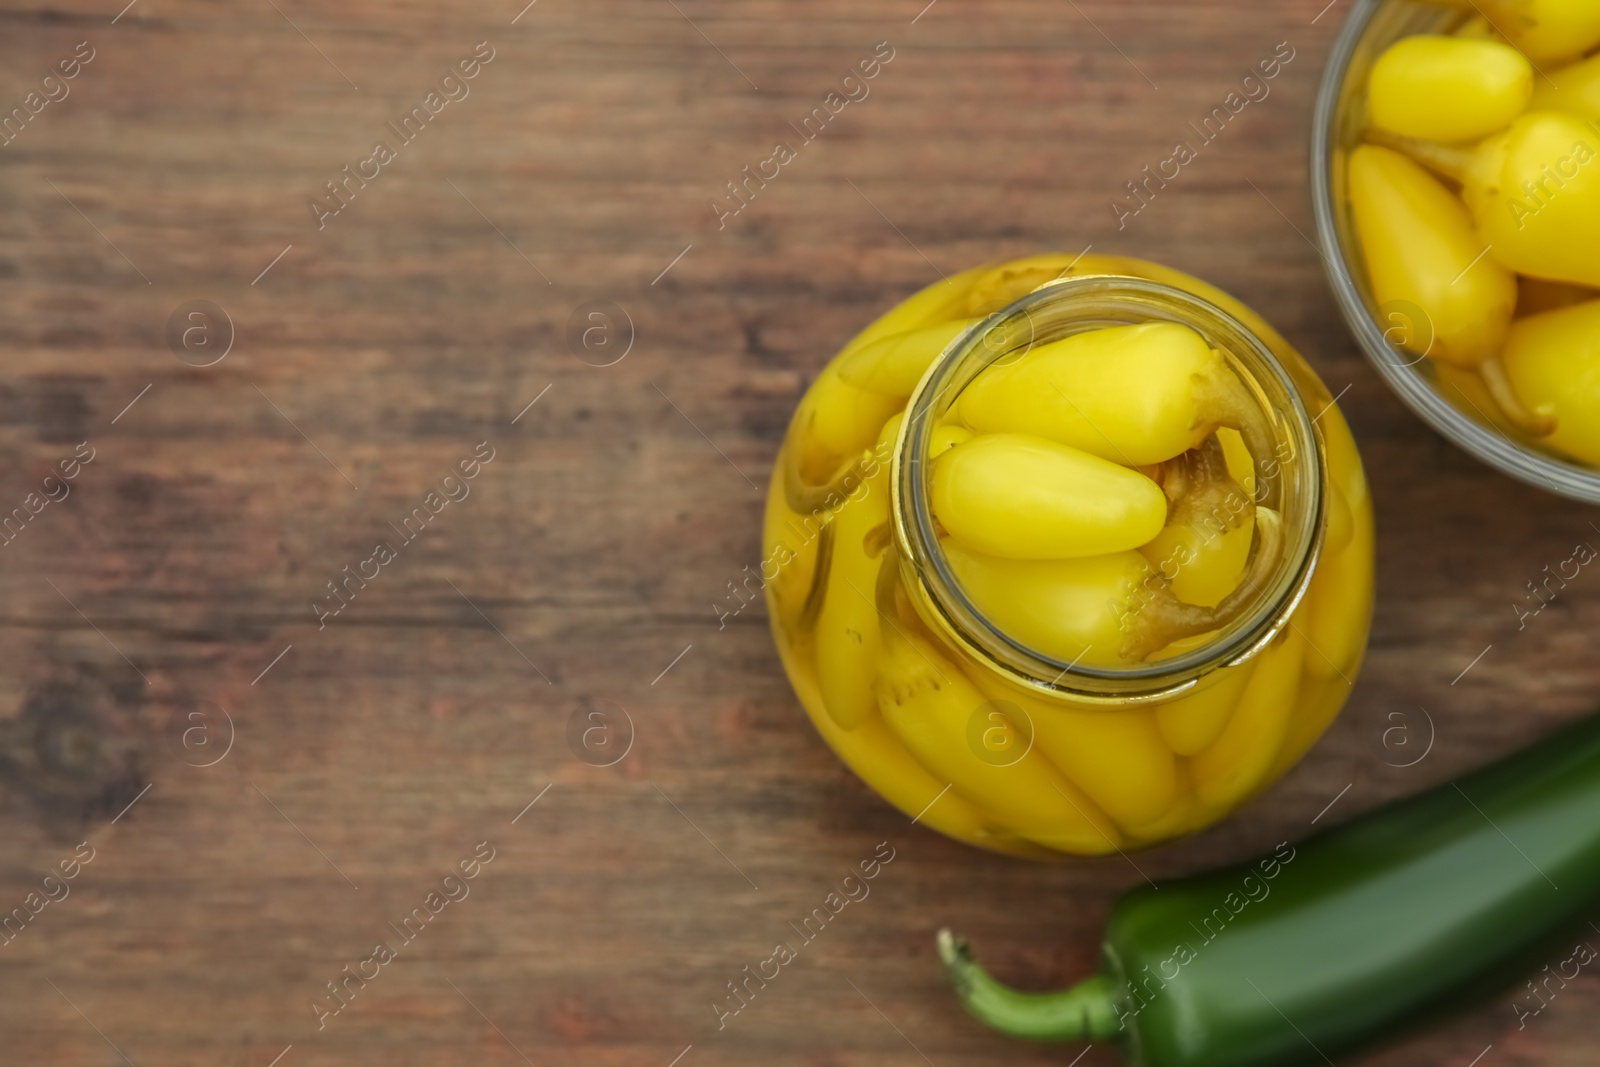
x=1342, y=938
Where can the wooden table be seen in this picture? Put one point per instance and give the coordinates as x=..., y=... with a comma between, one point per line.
x=297, y=787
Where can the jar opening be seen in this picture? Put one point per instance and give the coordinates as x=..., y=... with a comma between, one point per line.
x=1289, y=489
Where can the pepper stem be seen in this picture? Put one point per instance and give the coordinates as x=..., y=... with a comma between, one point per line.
x=1535, y=422
x=1231, y=404
x=1447, y=161
x=805, y=498
x=1085, y=1012
x=1163, y=618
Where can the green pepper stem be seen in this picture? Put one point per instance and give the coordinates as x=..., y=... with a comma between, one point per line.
x=1085, y=1012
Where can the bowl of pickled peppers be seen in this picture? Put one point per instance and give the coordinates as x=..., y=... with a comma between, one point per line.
x=1456, y=183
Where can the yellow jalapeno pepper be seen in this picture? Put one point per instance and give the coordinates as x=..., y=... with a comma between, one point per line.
x=1553, y=360
x=1133, y=395
x=1535, y=193
x=1027, y=497
x=1448, y=88
x=1574, y=89
x=1542, y=29
x=894, y=364
x=1420, y=247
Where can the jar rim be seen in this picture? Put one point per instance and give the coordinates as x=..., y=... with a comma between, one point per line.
x=1059, y=308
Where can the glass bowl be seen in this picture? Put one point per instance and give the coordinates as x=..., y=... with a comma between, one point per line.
x=1385, y=333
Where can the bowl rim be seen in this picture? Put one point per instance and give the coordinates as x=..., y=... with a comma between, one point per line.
x=1488, y=444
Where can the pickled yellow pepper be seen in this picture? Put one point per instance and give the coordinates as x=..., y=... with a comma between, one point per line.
x=1134, y=395
x=1553, y=359
x=1448, y=88
x=1574, y=89
x=1030, y=498
x=1535, y=192
x=1543, y=29
x=1421, y=248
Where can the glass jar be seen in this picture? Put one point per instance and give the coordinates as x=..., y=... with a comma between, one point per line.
x=1107, y=702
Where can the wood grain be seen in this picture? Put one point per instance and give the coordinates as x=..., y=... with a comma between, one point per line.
x=380, y=749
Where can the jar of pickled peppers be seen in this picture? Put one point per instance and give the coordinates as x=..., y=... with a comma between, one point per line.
x=1069, y=555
